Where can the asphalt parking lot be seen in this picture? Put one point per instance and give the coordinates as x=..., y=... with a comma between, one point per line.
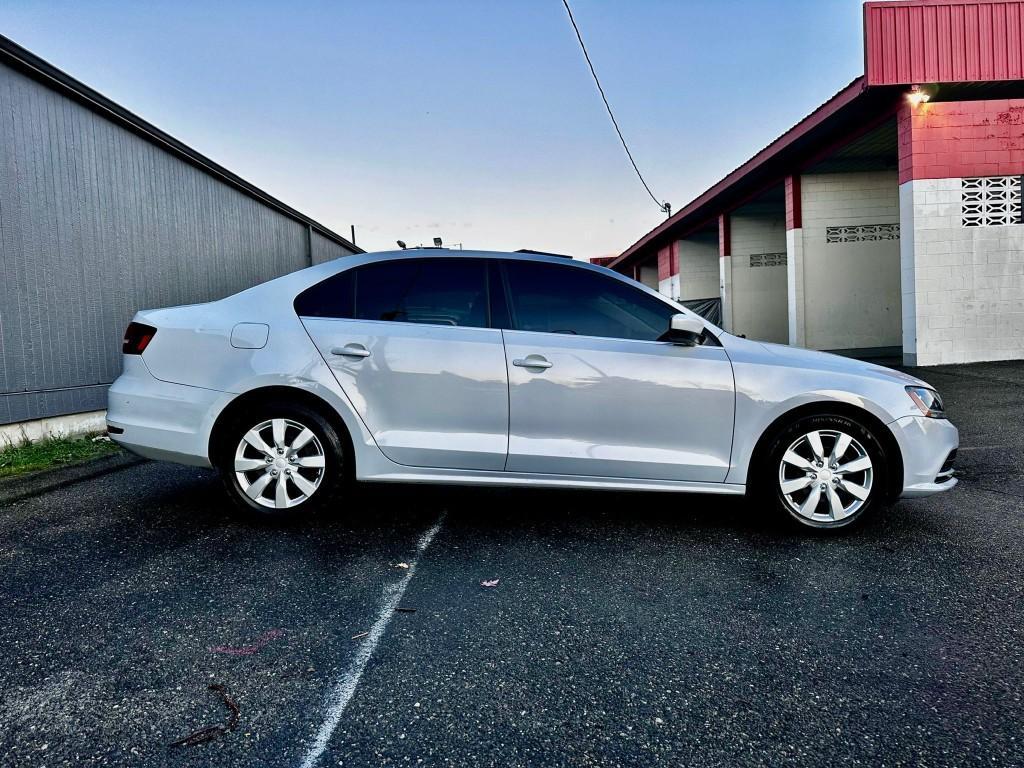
x=625, y=629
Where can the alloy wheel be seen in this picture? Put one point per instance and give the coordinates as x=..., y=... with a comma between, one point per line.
x=279, y=463
x=825, y=476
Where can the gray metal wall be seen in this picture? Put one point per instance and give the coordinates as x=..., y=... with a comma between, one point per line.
x=96, y=222
x=324, y=249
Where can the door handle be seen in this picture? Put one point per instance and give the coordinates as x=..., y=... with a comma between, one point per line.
x=532, y=361
x=351, y=350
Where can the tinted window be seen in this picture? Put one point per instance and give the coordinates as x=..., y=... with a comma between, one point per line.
x=554, y=299
x=333, y=297
x=434, y=291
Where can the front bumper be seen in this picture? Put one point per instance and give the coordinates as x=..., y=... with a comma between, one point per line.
x=160, y=420
x=926, y=445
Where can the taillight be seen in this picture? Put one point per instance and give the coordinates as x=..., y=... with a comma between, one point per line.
x=137, y=338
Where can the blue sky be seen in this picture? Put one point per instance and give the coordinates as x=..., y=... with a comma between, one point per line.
x=474, y=121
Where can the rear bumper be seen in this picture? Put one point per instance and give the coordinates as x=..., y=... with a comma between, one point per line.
x=160, y=420
x=926, y=444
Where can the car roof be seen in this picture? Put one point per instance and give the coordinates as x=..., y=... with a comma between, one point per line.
x=358, y=259
x=432, y=252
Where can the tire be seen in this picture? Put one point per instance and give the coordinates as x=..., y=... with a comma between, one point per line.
x=280, y=460
x=806, y=482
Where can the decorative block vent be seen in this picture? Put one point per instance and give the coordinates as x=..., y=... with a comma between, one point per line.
x=991, y=201
x=862, y=233
x=768, y=260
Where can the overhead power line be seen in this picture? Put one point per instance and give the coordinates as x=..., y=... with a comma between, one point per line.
x=662, y=205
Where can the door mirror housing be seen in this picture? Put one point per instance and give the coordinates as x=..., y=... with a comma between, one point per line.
x=685, y=330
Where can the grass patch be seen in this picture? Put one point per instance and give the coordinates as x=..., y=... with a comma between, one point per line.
x=52, y=452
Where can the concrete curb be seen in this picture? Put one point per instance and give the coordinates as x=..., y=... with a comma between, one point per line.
x=36, y=483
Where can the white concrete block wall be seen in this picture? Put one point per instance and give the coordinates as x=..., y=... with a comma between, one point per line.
x=649, y=276
x=963, y=289
x=851, y=291
x=758, y=294
x=698, y=276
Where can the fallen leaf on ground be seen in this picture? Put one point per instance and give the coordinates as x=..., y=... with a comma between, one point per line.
x=489, y=582
x=402, y=565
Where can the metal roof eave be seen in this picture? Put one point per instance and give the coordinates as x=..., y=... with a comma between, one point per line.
x=695, y=212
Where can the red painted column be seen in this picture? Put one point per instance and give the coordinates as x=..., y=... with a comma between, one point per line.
x=794, y=214
x=724, y=236
x=665, y=263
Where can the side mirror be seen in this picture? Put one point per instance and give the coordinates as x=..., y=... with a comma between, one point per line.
x=685, y=330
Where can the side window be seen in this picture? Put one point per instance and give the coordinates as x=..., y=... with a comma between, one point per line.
x=333, y=297
x=433, y=291
x=550, y=298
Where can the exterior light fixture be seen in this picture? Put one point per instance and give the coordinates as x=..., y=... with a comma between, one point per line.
x=437, y=242
x=917, y=95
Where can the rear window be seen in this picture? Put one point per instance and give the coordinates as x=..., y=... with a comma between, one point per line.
x=429, y=291
x=333, y=297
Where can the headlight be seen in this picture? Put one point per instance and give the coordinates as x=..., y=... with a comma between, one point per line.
x=928, y=401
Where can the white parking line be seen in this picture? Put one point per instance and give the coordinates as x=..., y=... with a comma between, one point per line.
x=345, y=688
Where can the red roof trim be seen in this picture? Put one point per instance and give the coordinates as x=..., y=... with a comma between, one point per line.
x=897, y=3
x=818, y=116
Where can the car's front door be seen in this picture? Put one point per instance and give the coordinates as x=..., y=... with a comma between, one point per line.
x=409, y=342
x=593, y=392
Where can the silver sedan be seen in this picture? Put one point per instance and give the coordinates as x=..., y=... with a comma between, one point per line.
x=427, y=365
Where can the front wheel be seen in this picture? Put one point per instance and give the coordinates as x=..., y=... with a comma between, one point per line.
x=280, y=460
x=826, y=472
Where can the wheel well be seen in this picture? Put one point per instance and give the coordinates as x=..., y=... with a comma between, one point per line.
x=257, y=397
x=823, y=408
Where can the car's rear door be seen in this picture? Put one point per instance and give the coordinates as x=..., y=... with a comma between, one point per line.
x=592, y=391
x=409, y=342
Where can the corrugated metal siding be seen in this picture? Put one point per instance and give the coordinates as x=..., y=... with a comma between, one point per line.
x=943, y=42
x=324, y=249
x=96, y=223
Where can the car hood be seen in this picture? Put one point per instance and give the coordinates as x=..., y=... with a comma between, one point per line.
x=825, y=361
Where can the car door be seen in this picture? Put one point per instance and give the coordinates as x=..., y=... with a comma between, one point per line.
x=593, y=392
x=408, y=341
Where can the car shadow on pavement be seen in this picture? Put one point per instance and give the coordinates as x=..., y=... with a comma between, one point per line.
x=703, y=516
x=191, y=507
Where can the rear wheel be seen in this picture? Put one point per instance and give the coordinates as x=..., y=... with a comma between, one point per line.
x=280, y=460
x=826, y=472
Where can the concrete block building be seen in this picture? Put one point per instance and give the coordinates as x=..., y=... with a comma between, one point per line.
x=888, y=221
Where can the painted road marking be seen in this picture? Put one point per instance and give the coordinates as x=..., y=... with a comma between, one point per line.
x=345, y=688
